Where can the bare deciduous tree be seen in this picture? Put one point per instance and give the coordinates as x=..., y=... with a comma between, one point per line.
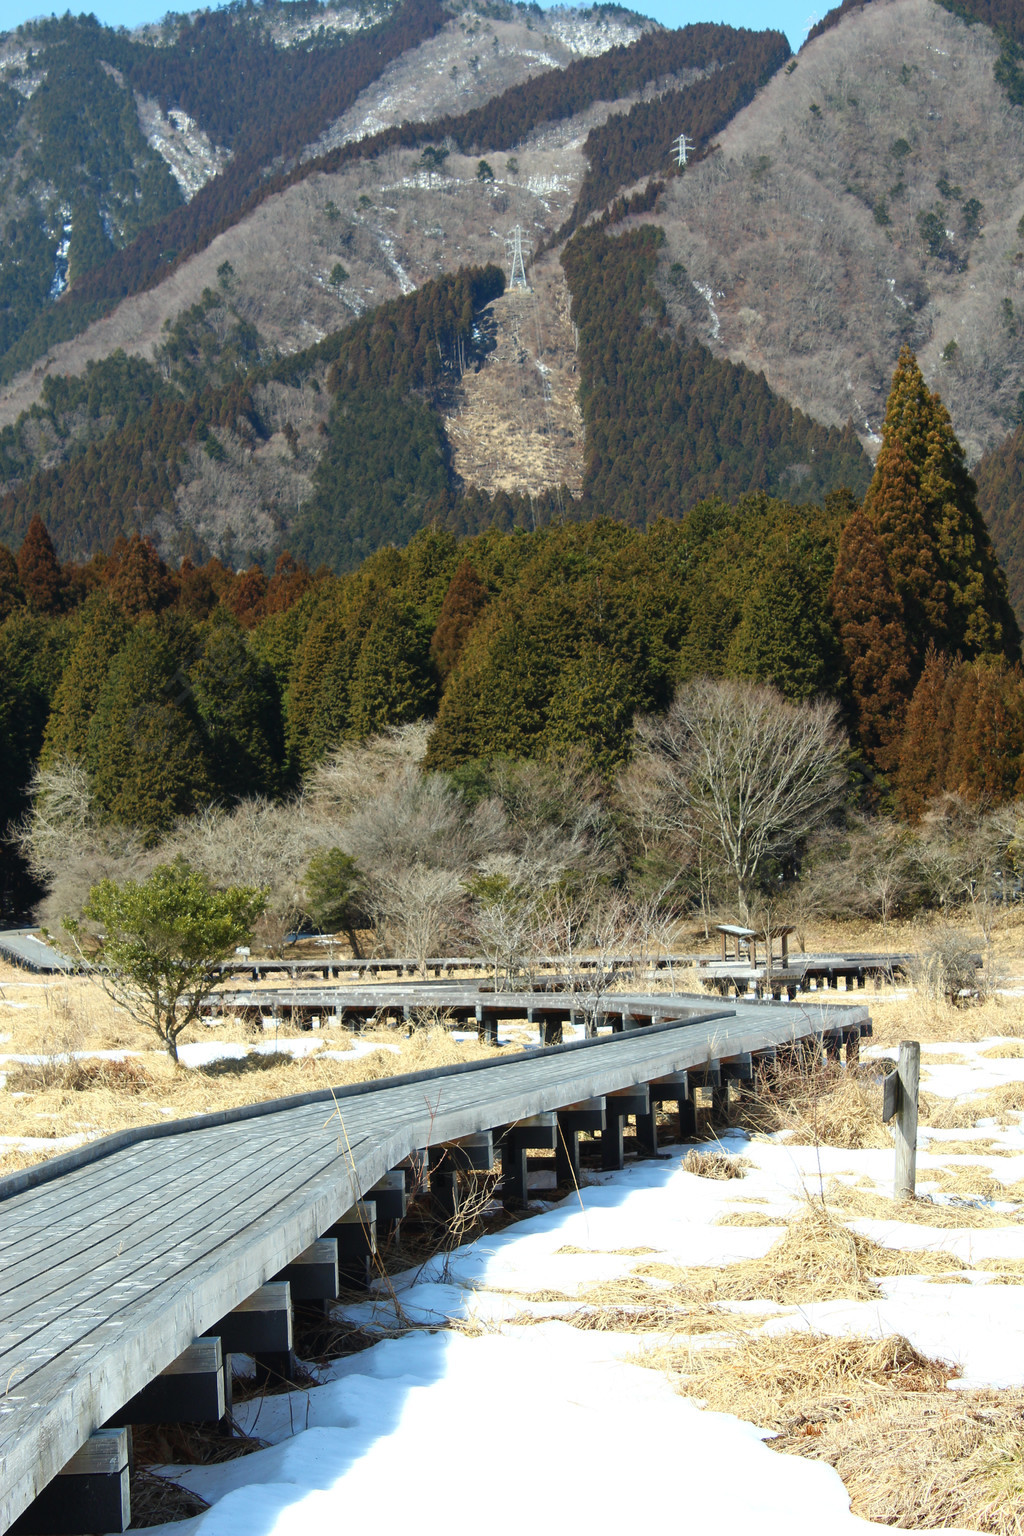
x=419, y=909
x=737, y=764
x=67, y=848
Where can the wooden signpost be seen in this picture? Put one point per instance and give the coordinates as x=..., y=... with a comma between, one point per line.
x=899, y=1101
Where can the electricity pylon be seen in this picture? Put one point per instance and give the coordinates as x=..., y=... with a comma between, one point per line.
x=515, y=244
x=683, y=148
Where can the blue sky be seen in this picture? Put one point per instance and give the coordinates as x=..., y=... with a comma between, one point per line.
x=793, y=16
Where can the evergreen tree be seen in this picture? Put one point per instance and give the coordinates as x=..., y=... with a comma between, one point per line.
x=924, y=505
x=239, y=704
x=786, y=636
x=104, y=630
x=247, y=598
x=139, y=581
x=145, y=740
x=986, y=750
x=318, y=699
x=30, y=663
x=10, y=587
x=463, y=604
x=896, y=510
x=592, y=710
x=496, y=702
x=925, y=742
x=873, y=639
x=38, y=570
x=393, y=682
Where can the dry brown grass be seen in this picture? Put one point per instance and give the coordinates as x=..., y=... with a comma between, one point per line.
x=910, y=1452
x=571, y=1248
x=817, y=1101
x=1005, y=1048
x=922, y=1018
x=868, y=1203
x=971, y=1180
x=1006, y=1271
x=750, y=1219
x=67, y=1097
x=715, y=1165
x=818, y=1258
x=962, y=1113
x=980, y=1146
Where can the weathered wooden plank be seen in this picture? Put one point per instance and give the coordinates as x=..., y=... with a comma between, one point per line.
x=157, y=1208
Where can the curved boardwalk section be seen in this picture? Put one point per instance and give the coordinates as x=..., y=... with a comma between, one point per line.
x=116, y=1258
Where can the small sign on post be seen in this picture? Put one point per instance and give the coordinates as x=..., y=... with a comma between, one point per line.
x=899, y=1100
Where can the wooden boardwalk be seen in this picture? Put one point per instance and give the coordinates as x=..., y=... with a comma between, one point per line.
x=467, y=1003
x=116, y=1257
x=440, y=966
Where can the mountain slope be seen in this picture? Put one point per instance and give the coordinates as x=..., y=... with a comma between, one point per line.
x=871, y=196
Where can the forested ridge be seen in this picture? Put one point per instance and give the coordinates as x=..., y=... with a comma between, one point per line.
x=667, y=423
x=281, y=99
x=631, y=145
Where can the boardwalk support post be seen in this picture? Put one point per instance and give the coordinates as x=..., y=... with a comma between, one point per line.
x=313, y=1275
x=261, y=1326
x=618, y=1108
x=588, y=1115
x=356, y=1235
x=675, y=1089
x=91, y=1493
x=539, y=1132
x=191, y=1390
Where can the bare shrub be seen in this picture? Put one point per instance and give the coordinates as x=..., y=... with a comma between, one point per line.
x=67, y=847
x=357, y=772
x=255, y=843
x=947, y=971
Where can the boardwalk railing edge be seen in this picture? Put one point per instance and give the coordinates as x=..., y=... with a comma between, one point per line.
x=94, y=1151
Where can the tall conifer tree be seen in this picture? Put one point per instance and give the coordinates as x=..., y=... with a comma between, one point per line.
x=104, y=631
x=319, y=690
x=873, y=638
x=146, y=740
x=39, y=570
x=924, y=505
x=463, y=604
x=10, y=586
x=925, y=743
x=393, y=682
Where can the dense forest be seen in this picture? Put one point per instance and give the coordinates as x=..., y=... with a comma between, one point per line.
x=631, y=145
x=266, y=102
x=667, y=423
x=172, y=689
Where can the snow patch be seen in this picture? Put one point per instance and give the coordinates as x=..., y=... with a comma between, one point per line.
x=189, y=154
x=589, y=36
x=707, y=294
